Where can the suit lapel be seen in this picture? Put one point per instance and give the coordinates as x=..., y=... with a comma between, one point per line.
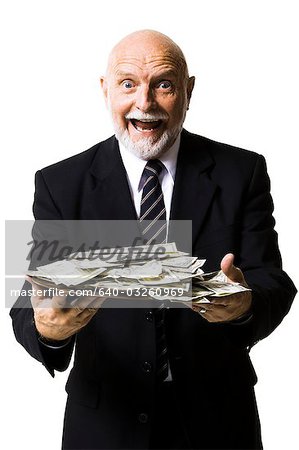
x=193, y=188
x=107, y=190
x=107, y=197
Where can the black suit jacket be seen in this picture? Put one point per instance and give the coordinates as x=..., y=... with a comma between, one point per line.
x=226, y=193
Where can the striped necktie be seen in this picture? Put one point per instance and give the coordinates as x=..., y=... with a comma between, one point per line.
x=153, y=227
x=152, y=210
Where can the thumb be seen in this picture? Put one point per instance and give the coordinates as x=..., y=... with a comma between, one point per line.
x=228, y=268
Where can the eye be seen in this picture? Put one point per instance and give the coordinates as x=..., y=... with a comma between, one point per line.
x=127, y=84
x=165, y=85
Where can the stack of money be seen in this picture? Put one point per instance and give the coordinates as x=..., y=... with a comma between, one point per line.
x=158, y=271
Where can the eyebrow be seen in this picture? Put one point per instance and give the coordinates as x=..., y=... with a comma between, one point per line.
x=123, y=74
x=167, y=73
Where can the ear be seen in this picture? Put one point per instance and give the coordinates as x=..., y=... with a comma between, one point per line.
x=190, y=86
x=104, y=87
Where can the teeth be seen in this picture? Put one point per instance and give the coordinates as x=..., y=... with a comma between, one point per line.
x=147, y=120
x=141, y=129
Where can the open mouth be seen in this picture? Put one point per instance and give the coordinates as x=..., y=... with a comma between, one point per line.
x=146, y=124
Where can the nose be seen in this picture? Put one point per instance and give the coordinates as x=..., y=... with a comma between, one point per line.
x=145, y=99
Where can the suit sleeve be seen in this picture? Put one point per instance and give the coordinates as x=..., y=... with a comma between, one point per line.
x=44, y=208
x=259, y=258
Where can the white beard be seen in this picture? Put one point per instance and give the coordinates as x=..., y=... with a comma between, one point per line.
x=148, y=148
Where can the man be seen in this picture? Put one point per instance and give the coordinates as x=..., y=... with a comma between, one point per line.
x=115, y=398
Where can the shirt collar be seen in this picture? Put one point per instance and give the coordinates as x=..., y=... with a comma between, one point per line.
x=134, y=166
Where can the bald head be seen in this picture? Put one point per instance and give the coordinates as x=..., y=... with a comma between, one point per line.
x=144, y=43
x=147, y=89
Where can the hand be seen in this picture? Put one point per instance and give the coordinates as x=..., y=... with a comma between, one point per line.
x=231, y=307
x=55, y=321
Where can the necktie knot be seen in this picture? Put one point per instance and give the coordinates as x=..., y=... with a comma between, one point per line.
x=153, y=168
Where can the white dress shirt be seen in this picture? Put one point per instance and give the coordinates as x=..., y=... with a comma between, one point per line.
x=134, y=168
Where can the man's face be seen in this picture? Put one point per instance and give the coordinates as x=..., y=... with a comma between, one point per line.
x=147, y=93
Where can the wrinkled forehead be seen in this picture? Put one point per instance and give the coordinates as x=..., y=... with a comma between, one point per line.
x=147, y=60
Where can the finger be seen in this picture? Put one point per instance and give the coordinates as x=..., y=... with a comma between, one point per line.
x=38, y=292
x=78, y=310
x=203, y=309
x=81, y=315
x=87, y=310
x=227, y=266
x=88, y=318
x=87, y=302
x=238, y=305
x=221, y=301
x=96, y=303
x=60, y=301
x=215, y=315
x=39, y=298
x=230, y=299
x=207, y=307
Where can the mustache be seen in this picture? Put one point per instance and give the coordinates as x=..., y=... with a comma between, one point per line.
x=138, y=115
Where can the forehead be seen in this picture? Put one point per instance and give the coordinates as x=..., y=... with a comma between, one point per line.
x=145, y=60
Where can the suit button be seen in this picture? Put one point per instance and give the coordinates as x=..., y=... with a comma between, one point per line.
x=143, y=418
x=147, y=367
x=149, y=316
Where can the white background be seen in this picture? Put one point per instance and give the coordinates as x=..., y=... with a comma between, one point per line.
x=244, y=55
